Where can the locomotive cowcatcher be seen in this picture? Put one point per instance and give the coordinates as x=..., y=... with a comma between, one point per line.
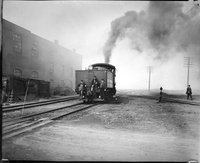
x=90, y=92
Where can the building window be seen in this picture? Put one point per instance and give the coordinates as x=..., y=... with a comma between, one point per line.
x=17, y=72
x=17, y=43
x=34, y=50
x=34, y=46
x=51, y=67
x=16, y=37
x=62, y=58
x=34, y=75
x=34, y=53
x=51, y=52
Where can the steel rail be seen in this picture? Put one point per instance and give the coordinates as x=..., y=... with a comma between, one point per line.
x=39, y=123
x=164, y=99
x=21, y=119
x=11, y=125
x=35, y=104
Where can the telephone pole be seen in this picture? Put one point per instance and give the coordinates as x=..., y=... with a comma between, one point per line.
x=188, y=62
x=150, y=69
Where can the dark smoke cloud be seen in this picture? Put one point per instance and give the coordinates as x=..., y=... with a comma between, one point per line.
x=118, y=29
x=163, y=27
x=161, y=21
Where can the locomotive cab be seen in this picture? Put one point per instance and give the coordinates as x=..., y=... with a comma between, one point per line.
x=102, y=72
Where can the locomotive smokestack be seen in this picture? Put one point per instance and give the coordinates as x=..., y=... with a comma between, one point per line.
x=108, y=47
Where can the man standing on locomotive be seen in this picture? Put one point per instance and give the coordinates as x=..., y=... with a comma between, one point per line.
x=95, y=81
x=94, y=85
x=81, y=86
x=102, y=88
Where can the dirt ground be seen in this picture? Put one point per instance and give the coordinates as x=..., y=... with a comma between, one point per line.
x=132, y=129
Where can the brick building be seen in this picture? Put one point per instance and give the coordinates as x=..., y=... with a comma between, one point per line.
x=30, y=56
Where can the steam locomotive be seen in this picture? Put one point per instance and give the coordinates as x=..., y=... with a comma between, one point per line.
x=102, y=71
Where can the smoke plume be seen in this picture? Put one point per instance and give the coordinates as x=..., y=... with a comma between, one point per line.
x=162, y=28
x=119, y=28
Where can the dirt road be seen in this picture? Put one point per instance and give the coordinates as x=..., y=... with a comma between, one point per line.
x=133, y=129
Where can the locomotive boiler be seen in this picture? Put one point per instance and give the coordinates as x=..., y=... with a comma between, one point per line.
x=103, y=72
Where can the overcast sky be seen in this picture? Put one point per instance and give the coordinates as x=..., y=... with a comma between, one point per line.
x=86, y=26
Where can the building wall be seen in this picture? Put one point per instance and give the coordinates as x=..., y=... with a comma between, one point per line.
x=37, y=57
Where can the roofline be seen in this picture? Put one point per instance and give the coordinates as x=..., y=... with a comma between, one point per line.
x=37, y=37
x=103, y=64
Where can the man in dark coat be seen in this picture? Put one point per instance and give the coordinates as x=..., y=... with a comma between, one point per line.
x=102, y=88
x=94, y=86
x=160, y=98
x=95, y=81
x=189, y=92
x=81, y=87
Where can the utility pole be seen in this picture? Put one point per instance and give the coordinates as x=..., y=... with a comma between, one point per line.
x=150, y=69
x=188, y=62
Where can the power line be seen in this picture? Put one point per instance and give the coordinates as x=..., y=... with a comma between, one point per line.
x=150, y=70
x=188, y=62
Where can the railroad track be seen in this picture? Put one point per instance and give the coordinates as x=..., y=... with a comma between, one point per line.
x=171, y=100
x=35, y=104
x=16, y=126
x=141, y=94
x=131, y=92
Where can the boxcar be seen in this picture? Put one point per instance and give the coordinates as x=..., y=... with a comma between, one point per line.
x=15, y=88
x=101, y=71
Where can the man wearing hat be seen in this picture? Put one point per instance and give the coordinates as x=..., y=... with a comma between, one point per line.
x=160, y=98
x=189, y=92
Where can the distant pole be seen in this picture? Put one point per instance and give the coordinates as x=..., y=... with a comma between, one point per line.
x=149, y=71
x=188, y=74
x=188, y=62
x=149, y=77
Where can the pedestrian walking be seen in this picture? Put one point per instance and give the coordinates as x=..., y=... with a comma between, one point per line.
x=160, y=98
x=189, y=92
